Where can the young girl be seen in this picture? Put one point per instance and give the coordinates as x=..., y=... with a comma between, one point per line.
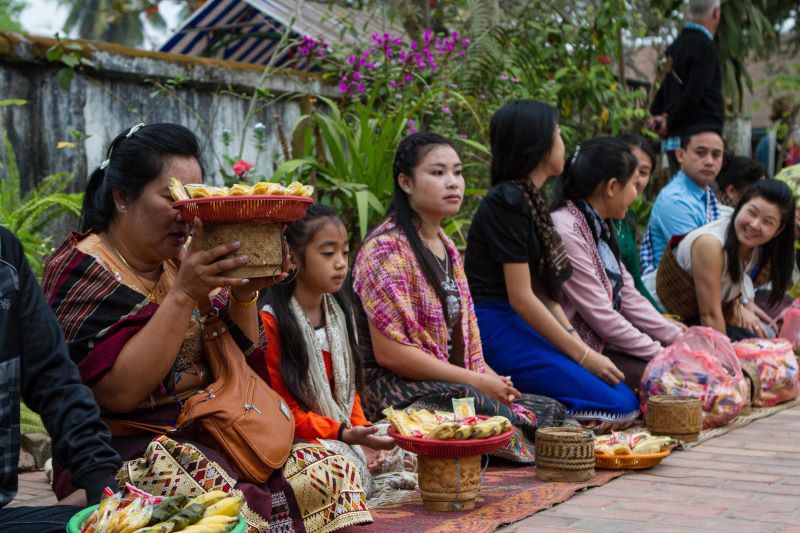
x=598, y=185
x=311, y=361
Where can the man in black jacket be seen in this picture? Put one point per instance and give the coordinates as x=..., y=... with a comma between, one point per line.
x=691, y=92
x=35, y=364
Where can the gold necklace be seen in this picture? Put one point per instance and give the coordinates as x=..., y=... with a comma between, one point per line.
x=150, y=294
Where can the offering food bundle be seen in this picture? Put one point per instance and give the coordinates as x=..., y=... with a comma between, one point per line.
x=702, y=364
x=639, y=443
x=777, y=367
x=422, y=423
x=134, y=511
x=180, y=191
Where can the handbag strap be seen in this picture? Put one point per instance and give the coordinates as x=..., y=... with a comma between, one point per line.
x=129, y=428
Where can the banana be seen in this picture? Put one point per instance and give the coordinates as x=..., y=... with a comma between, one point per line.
x=484, y=430
x=503, y=422
x=444, y=431
x=216, y=519
x=209, y=498
x=206, y=529
x=228, y=506
x=219, y=524
x=158, y=528
x=464, y=432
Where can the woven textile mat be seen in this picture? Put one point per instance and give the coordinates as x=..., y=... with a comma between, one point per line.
x=508, y=494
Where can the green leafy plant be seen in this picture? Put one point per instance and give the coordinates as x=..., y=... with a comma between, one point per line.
x=348, y=155
x=70, y=54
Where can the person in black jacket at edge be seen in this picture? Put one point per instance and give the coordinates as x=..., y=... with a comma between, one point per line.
x=35, y=365
x=691, y=92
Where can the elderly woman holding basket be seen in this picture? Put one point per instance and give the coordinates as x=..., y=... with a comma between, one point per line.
x=131, y=292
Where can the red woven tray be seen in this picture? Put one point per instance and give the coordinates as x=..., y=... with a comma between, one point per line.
x=273, y=208
x=451, y=448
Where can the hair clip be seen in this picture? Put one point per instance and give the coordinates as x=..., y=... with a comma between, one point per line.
x=575, y=155
x=105, y=164
x=134, y=129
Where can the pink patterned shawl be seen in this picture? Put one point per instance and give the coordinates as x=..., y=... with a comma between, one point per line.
x=400, y=302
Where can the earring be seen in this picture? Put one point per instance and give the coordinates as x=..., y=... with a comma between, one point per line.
x=123, y=207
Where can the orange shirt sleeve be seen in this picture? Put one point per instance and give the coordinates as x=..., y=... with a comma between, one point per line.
x=357, y=417
x=307, y=425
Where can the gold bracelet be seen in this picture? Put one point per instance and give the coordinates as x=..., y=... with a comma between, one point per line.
x=585, y=355
x=242, y=303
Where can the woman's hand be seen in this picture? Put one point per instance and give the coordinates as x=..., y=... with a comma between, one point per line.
x=761, y=314
x=77, y=498
x=375, y=458
x=498, y=387
x=200, y=269
x=751, y=321
x=365, y=436
x=602, y=367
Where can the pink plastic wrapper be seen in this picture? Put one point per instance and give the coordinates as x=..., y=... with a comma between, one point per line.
x=700, y=363
x=790, y=330
x=777, y=366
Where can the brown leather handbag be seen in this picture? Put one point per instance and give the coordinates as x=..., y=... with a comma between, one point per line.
x=242, y=417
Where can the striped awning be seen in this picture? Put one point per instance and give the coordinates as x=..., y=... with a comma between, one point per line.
x=250, y=30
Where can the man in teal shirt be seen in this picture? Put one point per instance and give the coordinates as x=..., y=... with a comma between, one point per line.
x=687, y=201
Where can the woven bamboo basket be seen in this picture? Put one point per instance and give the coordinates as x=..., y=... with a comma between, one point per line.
x=679, y=417
x=564, y=454
x=754, y=388
x=450, y=484
x=261, y=242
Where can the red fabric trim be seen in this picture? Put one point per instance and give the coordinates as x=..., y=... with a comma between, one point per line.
x=105, y=352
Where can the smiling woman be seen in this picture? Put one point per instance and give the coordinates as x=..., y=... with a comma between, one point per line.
x=702, y=274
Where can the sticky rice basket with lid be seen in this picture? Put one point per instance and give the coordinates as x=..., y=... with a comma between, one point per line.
x=255, y=221
x=450, y=470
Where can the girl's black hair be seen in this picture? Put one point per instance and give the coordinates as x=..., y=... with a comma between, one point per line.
x=594, y=162
x=778, y=252
x=410, y=152
x=634, y=140
x=135, y=158
x=294, y=352
x=521, y=135
x=741, y=172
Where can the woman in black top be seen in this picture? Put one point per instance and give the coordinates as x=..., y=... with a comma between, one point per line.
x=516, y=264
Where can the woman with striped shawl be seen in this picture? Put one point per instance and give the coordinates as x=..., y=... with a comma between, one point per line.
x=126, y=292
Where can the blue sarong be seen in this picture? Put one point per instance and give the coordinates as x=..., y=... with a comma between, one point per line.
x=512, y=348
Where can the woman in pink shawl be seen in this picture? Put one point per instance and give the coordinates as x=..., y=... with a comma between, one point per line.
x=425, y=344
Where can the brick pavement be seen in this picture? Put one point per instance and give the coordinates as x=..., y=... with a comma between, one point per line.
x=745, y=481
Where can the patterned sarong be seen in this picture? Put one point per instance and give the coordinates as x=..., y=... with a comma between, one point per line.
x=323, y=485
